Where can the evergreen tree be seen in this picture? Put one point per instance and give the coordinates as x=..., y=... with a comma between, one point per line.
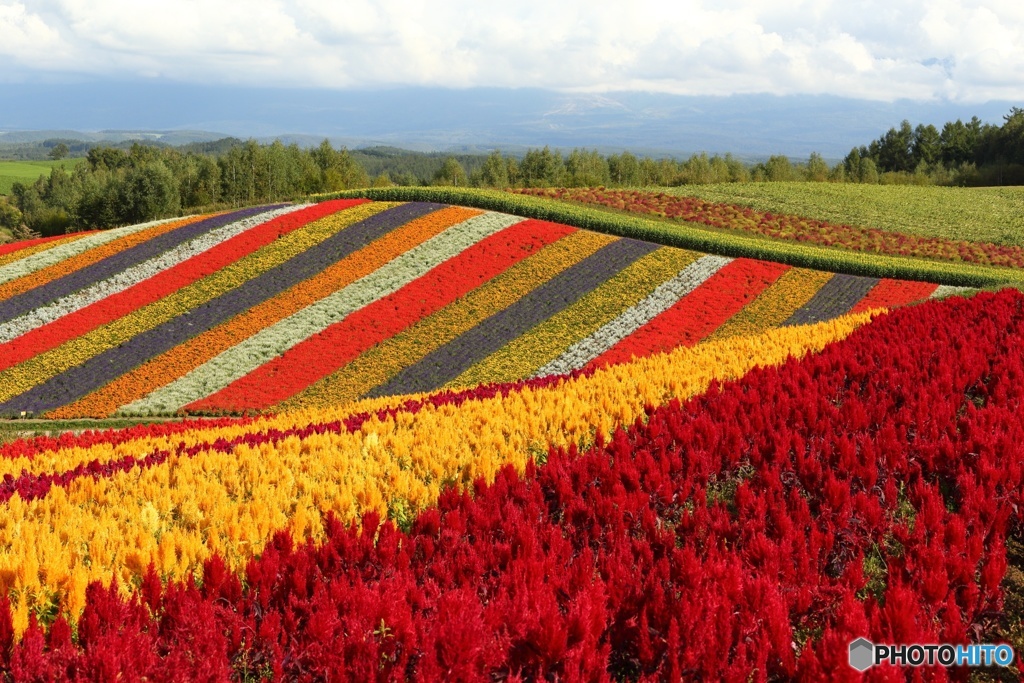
x=894, y=150
x=542, y=168
x=495, y=171
x=926, y=147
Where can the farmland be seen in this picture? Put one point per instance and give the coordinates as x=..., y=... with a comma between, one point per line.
x=28, y=171
x=978, y=214
x=506, y=437
x=789, y=227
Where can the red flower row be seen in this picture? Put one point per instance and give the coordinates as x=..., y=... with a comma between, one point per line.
x=699, y=314
x=893, y=293
x=12, y=247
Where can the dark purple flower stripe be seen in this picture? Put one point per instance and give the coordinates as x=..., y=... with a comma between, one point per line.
x=834, y=299
x=449, y=361
x=31, y=486
x=97, y=371
x=21, y=304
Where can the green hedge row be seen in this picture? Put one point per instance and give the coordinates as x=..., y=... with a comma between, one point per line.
x=698, y=238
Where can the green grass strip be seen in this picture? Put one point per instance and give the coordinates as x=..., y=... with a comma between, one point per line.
x=12, y=430
x=698, y=238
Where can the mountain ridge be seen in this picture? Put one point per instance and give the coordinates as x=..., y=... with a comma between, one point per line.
x=434, y=119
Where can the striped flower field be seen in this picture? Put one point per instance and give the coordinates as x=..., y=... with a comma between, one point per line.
x=290, y=307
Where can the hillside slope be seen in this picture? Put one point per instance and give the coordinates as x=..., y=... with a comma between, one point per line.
x=294, y=306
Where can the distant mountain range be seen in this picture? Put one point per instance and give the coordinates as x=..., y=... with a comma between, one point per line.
x=431, y=119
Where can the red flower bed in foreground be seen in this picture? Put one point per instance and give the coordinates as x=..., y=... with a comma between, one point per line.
x=750, y=534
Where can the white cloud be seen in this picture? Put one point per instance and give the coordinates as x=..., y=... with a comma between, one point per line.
x=875, y=49
x=27, y=39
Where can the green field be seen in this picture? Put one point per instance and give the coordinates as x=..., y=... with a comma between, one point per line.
x=27, y=171
x=11, y=430
x=980, y=214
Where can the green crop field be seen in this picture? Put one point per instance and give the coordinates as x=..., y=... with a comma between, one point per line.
x=982, y=214
x=27, y=171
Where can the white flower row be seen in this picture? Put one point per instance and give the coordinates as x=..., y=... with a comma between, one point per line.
x=134, y=275
x=43, y=259
x=660, y=300
x=942, y=291
x=267, y=344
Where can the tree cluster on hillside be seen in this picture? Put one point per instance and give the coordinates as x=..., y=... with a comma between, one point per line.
x=587, y=168
x=122, y=186
x=41, y=151
x=961, y=153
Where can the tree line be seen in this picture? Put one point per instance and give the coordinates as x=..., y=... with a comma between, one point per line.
x=960, y=153
x=121, y=185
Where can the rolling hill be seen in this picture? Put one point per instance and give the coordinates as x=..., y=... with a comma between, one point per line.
x=292, y=306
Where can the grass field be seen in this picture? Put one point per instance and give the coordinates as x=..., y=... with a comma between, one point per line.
x=26, y=429
x=981, y=214
x=27, y=171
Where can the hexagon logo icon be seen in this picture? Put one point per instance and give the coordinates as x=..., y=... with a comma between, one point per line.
x=862, y=654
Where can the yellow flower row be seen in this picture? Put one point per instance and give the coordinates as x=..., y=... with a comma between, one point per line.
x=386, y=359
x=38, y=369
x=524, y=355
x=177, y=514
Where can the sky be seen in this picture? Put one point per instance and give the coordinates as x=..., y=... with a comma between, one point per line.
x=880, y=50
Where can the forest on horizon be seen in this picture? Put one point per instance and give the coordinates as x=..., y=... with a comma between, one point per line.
x=134, y=182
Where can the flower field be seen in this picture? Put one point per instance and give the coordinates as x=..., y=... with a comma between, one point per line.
x=739, y=510
x=311, y=306
x=790, y=227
